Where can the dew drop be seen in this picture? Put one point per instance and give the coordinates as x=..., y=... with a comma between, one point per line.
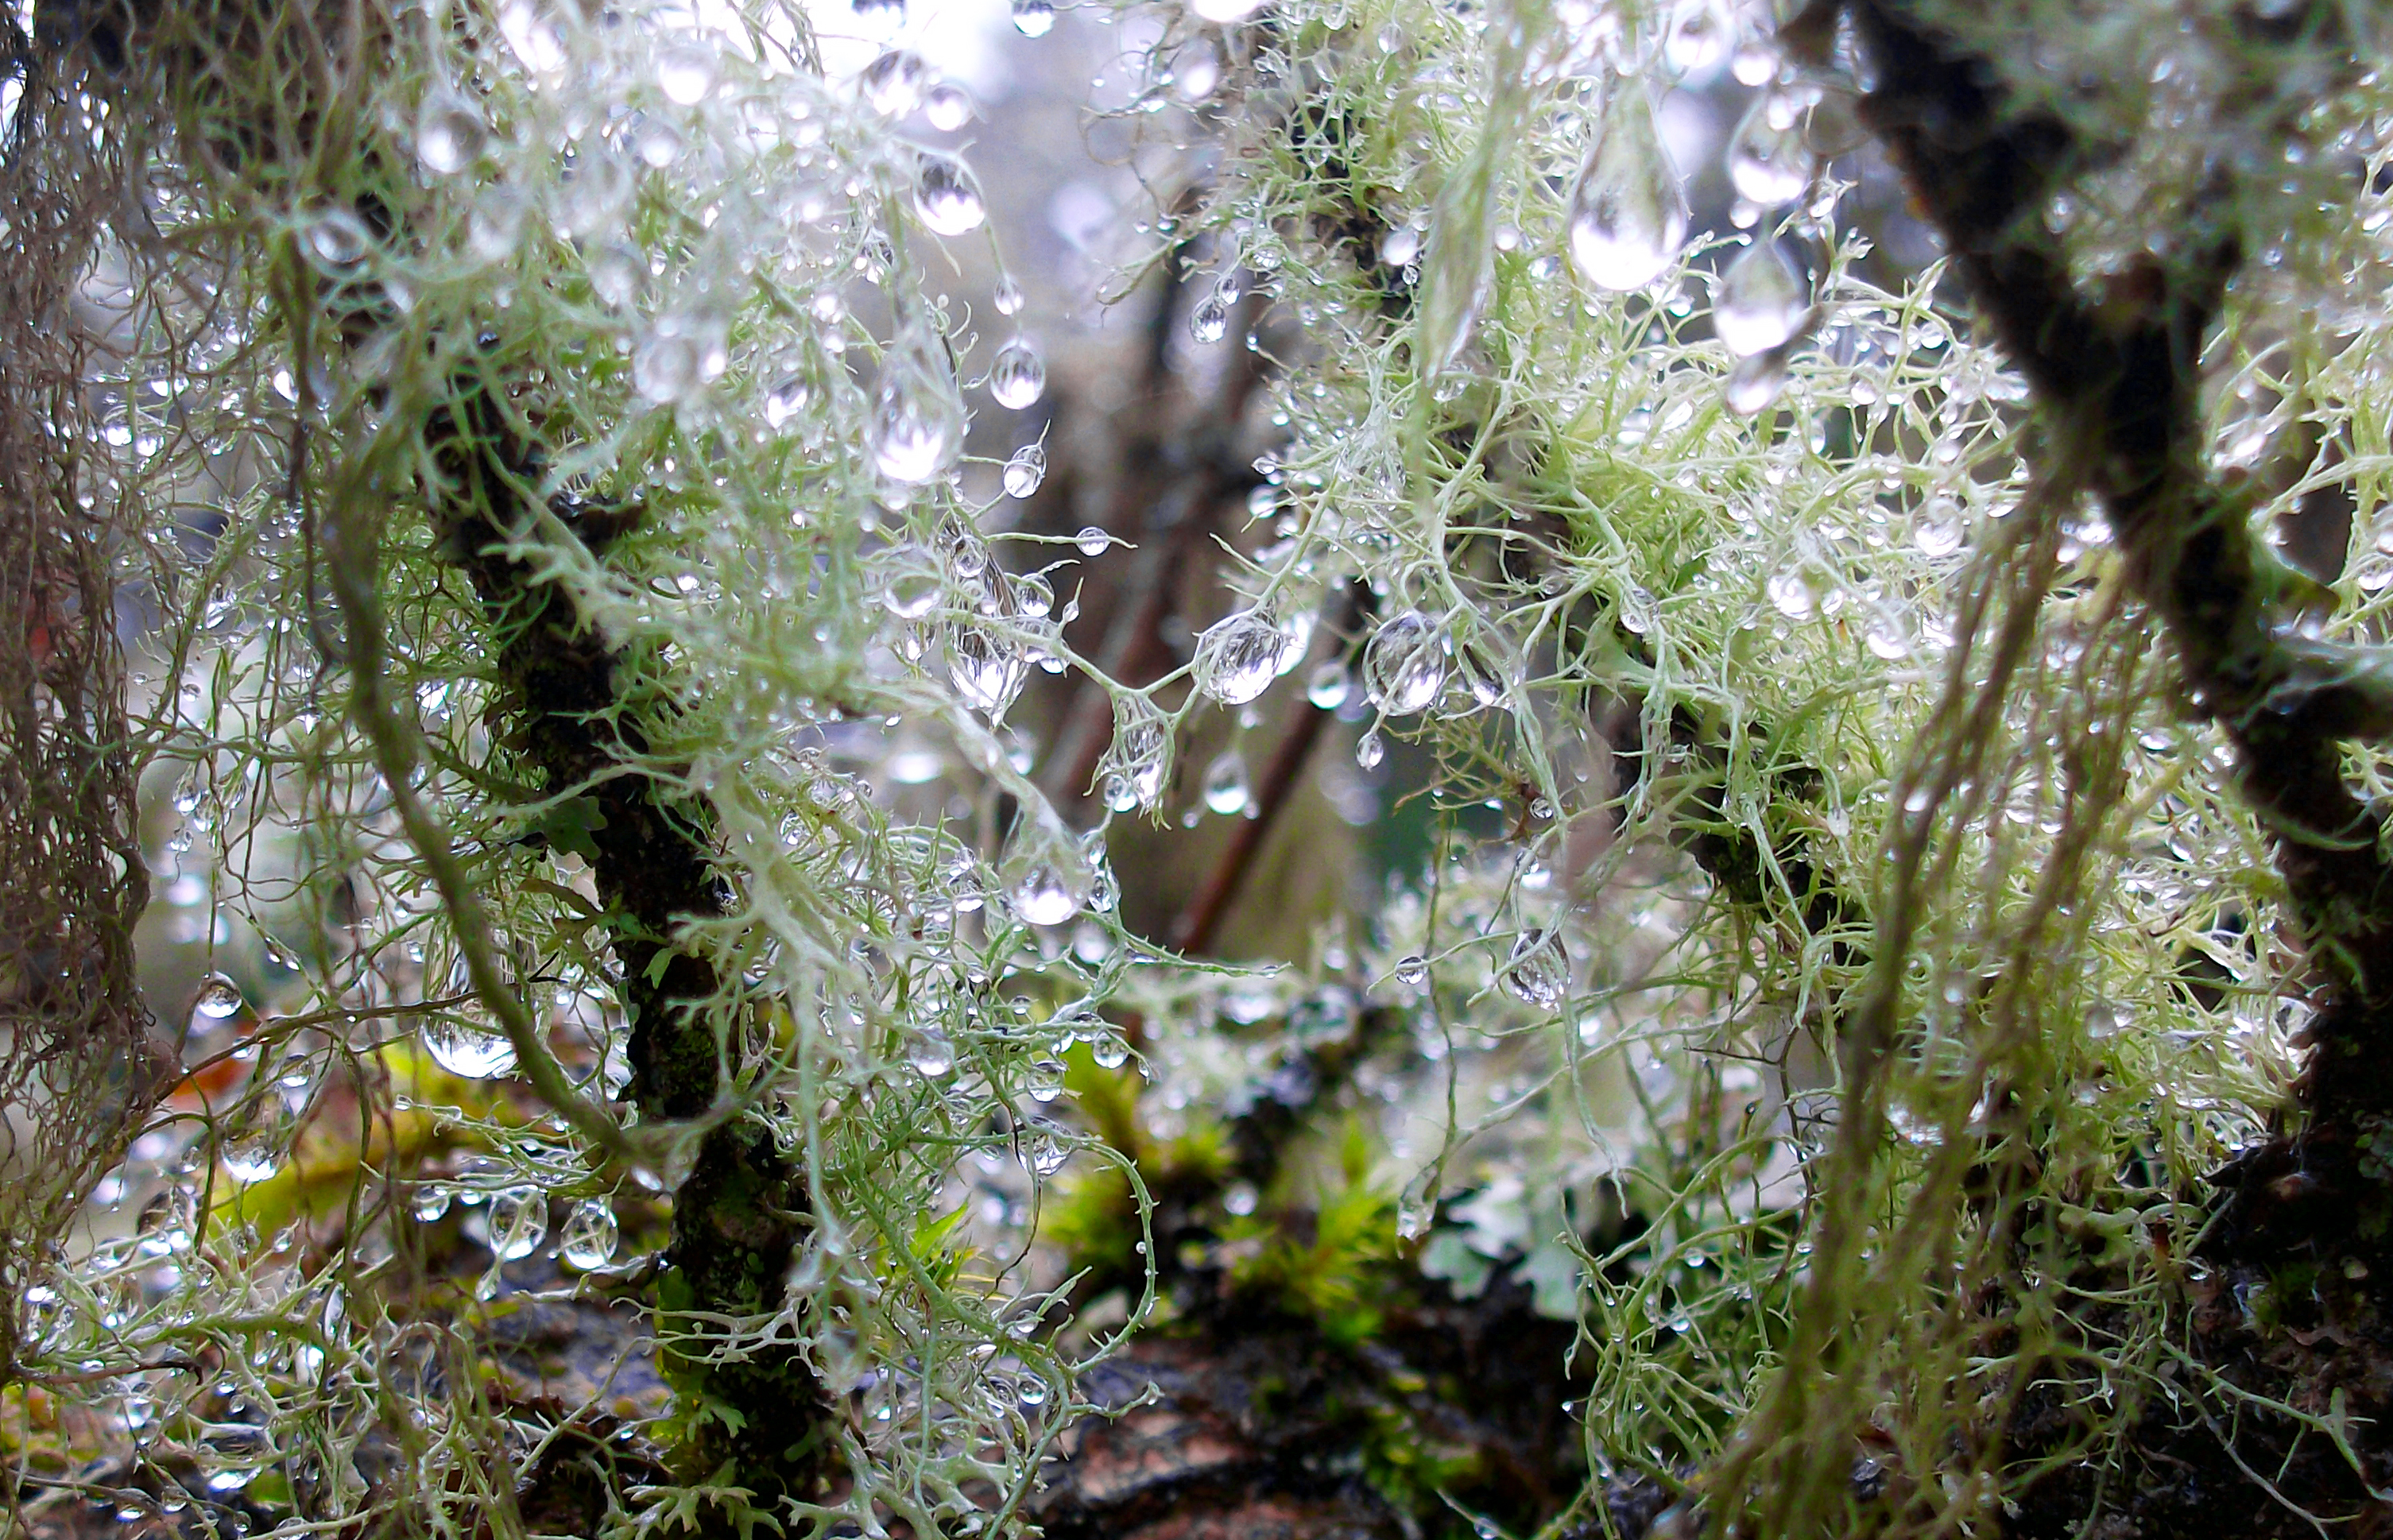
x=788, y=402
x=947, y=107
x=590, y=1234
x=895, y=83
x=1043, y=895
x=1226, y=790
x=932, y=1055
x=1699, y=37
x=338, y=242
x=1008, y=297
x=1224, y=12
x=1208, y=318
x=1034, y=18
x=519, y=1222
x=1330, y=685
x=1369, y=750
x=987, y=672
x=1024, y=471
x=879, y=13
x=449, y=134
x=1017, y=377
x=1404, y=668
x=468, y=1049
x=916, y=422
x=1239, y=656
x=1538, y=970
x=219, y=999
x=1417, y=1207
x=1093, y=541
x=947, y=197
x=531, y=32
x=1791, y=595
x=1939, y=531
x=1628, y=214
x=685, y=72
x=1762, y=302
x=1754, y=383
x=1769, y=162
x=1412, y=971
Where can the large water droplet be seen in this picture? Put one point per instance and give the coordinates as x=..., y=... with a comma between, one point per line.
x=1093, y=541
x=946, y=196
x=519, y=1222
x=1131, y=775
x=1628, y=216
x=1699, y=37
x=1208, y=318
x=1025, y=471
x=590, y=1234
x=947, y=107
x=1755, y=382
x=1792, y=595
x=1034, y=18
x=1404, y=668
x=1049, y=883
x=531, y=32
x=916, y=422
x=988, y=671
x=1417, y=1207
x=1225, y=783
x=1767, y=160
x=1239, y=656
x=1763, y=301
x=448, y=133
x=1538, y=970
x=1017, y=377
x=1412, y=970
x=337, y=241
x=686, y=71
x=933, y=1056
x=788, y=402
x=468, y=1049
x=219, y=999
x=893, y=84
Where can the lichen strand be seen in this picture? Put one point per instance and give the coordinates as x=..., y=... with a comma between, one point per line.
x=739, y=1216
x=2122, y=381
x=2292, y=1318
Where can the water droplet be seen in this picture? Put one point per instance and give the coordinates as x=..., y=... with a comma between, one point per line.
x=431, y=1201
x=601, y=184
x=947, y=106
x=1225, y=783
x=1762, y=302
x=1767, y=160
x=337, y=241
x=1699, y=36
x=911, y=593
x=1025, y=471
x=1034, y=18
x=788, y=402
x=1939, y=531
x=1412, y=971
x=496, y=223
x=1196, y=70
x=932, y=1055
x=1093, y=541
x=893, y=84
x=1018, y=376
x=1628, y=216
x=532, y=34
x=1046, y=893
x=1791, y=595
x=879, y=14
x=1417, y=1207
x=1404, y=668
x=468, y=1049
x=519, y=1222
x=1131, y=775
x=250, y=1160
x=219, y=999
x=1330, y=685
x=916, y=422
x=1034, y=1391
x=1369, y=750
x=1755, y=382
x=946, y=196
x=1756, y=61
x=1538, y=970
x=448, y=133
x=617, y=273
x=1239, y=656
x=1208, y=318
x=590, y=1234
x=1224, y=12
x=1887, y=639
x=989, y=672
x=667, y=364
x=1008, y=298
x=685, y=72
